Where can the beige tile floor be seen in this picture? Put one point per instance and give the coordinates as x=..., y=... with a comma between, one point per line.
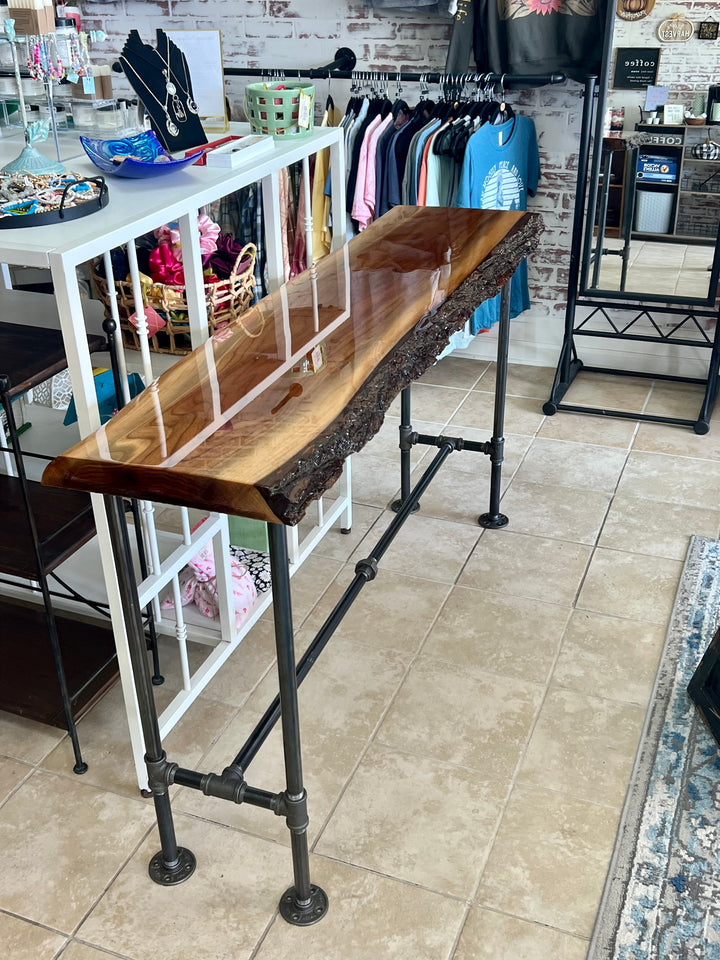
x=468, y=734
x=675, y=269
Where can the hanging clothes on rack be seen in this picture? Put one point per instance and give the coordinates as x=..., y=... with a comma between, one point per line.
x=500, y=169
x=322, y=233
x=452, y=152
x=415, y=153
x=363, y=202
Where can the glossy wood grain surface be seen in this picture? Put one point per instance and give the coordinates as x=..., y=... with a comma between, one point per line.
x=233, y=427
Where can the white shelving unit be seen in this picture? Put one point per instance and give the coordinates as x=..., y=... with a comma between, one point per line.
x=135, y=208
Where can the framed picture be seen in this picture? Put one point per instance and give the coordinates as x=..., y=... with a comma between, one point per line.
x=673, y=113
x=636, y=67
x=708, y=30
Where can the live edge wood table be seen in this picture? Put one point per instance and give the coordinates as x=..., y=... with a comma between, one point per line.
x=237, y=427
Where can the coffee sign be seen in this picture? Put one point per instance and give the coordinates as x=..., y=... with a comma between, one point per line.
x=676, y=29
x=636, y=67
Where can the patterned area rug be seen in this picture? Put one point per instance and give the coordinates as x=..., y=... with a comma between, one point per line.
x=662, y=895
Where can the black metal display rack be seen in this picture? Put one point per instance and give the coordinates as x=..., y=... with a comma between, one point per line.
x=54, y=666
x=619, y=316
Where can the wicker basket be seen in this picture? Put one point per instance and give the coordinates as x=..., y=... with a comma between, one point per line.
x=275, y=111
x=225, y=299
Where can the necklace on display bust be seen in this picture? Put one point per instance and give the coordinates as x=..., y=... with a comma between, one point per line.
x=172, y=81
x=170, y=125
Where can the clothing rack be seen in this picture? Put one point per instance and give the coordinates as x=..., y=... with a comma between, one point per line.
x=342, y=68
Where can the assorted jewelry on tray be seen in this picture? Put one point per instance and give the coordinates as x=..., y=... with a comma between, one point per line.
x=24, y=194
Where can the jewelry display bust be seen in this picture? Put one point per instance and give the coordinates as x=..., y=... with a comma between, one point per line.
x=161, y=79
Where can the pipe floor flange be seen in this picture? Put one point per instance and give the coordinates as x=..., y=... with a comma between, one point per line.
x=185, y=868
x=493, y=521
x=397, y=504
x=304, y=916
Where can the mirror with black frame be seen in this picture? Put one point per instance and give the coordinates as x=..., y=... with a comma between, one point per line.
x=653, y=227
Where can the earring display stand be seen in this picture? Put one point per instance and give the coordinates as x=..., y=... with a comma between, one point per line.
x=30, y=160
x=161, y=79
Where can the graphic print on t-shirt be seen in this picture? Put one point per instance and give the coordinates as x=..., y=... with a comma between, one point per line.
x=502, y=187
x=513, y=9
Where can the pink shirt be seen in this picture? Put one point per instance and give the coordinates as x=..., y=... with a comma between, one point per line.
x=363, y=208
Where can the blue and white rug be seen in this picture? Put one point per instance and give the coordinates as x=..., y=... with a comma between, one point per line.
x=662, y=895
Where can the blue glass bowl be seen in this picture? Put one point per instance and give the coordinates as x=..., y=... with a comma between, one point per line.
x=149, y=157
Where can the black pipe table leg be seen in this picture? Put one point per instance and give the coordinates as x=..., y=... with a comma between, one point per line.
x=406, y=445
x=303, y=903
x=172, y=864
x=493, y=519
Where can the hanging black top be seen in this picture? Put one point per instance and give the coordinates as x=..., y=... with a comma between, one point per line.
x=539, y=36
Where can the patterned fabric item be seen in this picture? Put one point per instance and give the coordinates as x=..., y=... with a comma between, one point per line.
x=298, y=263
x=198, y=585
x=257, y=564
x=240, y=215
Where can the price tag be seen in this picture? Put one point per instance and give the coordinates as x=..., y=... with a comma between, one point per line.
x=88, y=85
x=317, y=360
x=304, y=109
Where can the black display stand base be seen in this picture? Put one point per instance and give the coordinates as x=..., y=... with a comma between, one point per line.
x=704, y=687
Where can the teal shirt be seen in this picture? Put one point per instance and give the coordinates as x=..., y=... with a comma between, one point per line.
x=501, y=167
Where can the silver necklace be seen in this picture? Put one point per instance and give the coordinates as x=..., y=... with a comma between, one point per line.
x=171, y=127
x=172, y=83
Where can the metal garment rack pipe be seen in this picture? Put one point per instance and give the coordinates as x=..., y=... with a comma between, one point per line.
x=343, y=68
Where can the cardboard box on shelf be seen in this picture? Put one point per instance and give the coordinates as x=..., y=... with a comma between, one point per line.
x=103, y=86
x=31, y=21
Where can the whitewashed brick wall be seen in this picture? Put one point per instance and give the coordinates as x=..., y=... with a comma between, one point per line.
x=306, y=33
x=687, y=68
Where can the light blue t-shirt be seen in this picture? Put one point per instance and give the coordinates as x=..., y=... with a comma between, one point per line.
x=501, y=167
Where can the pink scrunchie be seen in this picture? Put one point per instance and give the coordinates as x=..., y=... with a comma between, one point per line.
x=165, y=267
x=209, y=233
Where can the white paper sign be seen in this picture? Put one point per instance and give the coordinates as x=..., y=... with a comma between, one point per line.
x=203, y=53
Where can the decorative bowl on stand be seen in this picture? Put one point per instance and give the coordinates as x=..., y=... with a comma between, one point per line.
x=139, y=156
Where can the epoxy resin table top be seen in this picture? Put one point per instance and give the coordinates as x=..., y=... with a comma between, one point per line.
x=243, y=425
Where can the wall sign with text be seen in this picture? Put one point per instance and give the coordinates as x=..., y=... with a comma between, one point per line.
x=636, y=67
x=676, y=29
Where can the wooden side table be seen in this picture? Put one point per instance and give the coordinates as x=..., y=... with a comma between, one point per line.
x=242, y=426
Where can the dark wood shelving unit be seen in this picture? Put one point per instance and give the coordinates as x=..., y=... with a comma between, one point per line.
x=63, y=524
x=618, y=177
x=55, y=666
x=88, y=655
x=676, y=143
